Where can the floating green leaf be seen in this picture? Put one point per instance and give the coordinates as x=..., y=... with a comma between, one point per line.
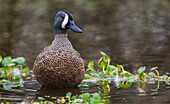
x=151, y=74
x=73, y=97
x=105, y=57
x=100, y=74
x=141, y=69
x=102, y=64
x=17, y=78
x=133, y=79
x=126, y=74
x=125, y=84
x=87, y=76
x=165, y=77
x=7, y=86
x=112, y=67
x=6, y=61
x=88, y=70
x=86, y=96
x=153, y=68
x=26, y=70
x=103, y=54
x=68, y=95
x=95, y=99
x=80, y=97
x=19, y=60
x=120, y=66
x=40, y=98
x=96, y=95
x=91, y=67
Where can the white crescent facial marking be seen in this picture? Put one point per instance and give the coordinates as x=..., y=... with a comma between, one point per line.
x=65, y=21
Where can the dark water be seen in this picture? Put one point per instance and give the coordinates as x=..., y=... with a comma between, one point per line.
x=134, y=33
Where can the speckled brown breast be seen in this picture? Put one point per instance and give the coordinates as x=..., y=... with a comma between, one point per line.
x=59, y=65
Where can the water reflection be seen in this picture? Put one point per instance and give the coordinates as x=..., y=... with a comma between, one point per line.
x=134, y=33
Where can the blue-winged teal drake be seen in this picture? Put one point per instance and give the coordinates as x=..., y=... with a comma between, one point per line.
x=60, y=65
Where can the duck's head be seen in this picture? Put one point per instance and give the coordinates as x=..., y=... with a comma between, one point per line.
x=64, y=21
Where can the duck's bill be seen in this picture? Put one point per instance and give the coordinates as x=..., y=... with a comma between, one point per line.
x=73, y=27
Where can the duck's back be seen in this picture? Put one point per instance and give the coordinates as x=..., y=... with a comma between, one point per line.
x=59, y=65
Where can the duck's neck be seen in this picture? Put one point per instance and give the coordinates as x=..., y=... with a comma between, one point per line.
x=60, y=36
x=57, y=31
x=61, y=40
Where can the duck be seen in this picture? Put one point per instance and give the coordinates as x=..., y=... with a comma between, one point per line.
x=60, y=65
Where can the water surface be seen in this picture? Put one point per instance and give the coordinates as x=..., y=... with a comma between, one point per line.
x=134, y=33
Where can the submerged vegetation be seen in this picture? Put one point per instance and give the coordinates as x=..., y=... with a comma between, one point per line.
x=106, y=75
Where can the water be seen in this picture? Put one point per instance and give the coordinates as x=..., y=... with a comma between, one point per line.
x=134, y=33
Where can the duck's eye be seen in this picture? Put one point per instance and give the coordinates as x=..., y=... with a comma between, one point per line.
x=62, y=16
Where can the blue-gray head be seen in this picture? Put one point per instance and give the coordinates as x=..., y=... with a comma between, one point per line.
x=64, y=21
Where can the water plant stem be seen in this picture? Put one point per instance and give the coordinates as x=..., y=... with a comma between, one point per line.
x=158, y=85
x=103, y=70
x=98, y=63
x=21, y=69
x=157, y=75
x=9, y=73
x=114, y=72
x=108, y=63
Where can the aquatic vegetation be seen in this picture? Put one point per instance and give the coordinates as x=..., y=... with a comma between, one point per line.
x=86, y=98
x=93, y=98
x=103, y=77
x=12, y=71
x=107, y=74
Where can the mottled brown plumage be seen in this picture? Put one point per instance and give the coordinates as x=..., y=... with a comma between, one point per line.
x=59, y=65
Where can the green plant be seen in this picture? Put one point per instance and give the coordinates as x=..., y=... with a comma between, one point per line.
x=88, y=98
x=68, y=96
x=124, y=79
x=11, y=71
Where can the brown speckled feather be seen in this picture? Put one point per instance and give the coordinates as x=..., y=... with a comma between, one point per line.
x=59, y=65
